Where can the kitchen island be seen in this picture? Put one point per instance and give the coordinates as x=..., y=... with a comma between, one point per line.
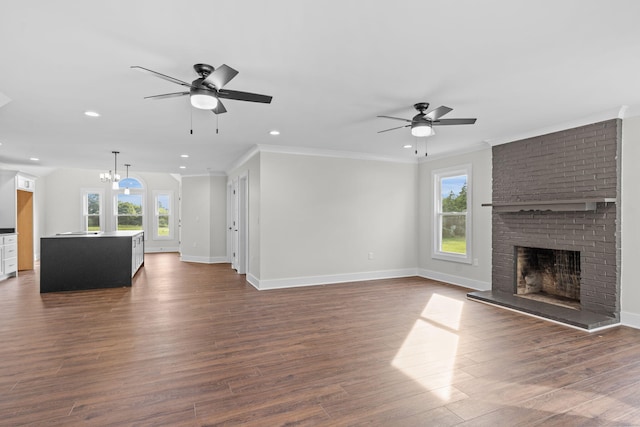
x=90, y=260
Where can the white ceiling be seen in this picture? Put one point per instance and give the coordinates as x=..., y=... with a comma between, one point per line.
x=331, y=66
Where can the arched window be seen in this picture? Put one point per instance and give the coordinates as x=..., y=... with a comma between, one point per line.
x=129, y=205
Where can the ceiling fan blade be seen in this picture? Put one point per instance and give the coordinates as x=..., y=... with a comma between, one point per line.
x=219, y=109
x=220, y=76
x=244, y=96
x=167, y=95
x=399, y=127
x=396, y=118
x=438, y=112
x=162, y=76
x=453, y=122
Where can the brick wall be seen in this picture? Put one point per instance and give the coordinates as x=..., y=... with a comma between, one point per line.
x=577, y=163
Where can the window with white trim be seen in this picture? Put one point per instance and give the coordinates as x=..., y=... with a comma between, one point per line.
x=92, y=210
x=129, y=205
x=452, y=214
x=163, y=215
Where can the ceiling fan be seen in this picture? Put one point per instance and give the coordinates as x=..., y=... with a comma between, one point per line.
x=422, y=124
x=206, y=91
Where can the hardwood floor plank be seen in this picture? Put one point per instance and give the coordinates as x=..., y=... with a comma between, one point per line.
x=194, y=344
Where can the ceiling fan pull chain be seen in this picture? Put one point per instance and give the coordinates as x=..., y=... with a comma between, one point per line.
x=216, y=124
x=191, y=114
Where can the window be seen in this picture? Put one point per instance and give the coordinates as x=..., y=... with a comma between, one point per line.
x=452, y=218
x=92, y=219
x=163, y=202
x=129, y=207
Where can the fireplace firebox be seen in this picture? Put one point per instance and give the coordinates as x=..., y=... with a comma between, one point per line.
x=548, y=275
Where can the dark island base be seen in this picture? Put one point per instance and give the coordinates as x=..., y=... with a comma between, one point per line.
x=85, y=262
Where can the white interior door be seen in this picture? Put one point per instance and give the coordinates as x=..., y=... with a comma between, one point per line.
x=229, y=221
x=242, y=225
x=234, y=224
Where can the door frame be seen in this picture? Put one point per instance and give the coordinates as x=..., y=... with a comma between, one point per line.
x=237, y=223
x=243, y=224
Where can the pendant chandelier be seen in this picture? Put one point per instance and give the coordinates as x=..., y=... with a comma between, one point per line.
x=114, y=178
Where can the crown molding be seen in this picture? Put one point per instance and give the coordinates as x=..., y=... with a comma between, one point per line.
x=479, y=146
x=614, y=113
x=319, y=152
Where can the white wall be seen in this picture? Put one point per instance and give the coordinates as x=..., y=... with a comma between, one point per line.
x=469, y=275
x=630, y=236
x=8, y=199
x=38, y=215
x=60, y=208
x=203, y=219
x=218, y=209
x=196, y=224
x=321, y=217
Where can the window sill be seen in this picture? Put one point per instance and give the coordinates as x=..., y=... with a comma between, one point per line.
x=447, y=256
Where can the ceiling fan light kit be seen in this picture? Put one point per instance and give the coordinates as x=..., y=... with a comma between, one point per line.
x=422, y=129
x=203, y=99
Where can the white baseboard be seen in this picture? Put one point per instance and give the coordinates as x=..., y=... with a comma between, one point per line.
x=477, y=285
x=253, y=280
x=630, y=319
x=204, y=259
x=295, y=282
x=153, y=250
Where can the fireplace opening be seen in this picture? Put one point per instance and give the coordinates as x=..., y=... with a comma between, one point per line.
x=548, y=275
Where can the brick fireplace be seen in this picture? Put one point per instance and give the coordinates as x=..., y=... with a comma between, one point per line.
x=557, y=195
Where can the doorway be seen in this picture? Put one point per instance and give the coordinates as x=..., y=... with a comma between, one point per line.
x=25, y=229
x=238, y=219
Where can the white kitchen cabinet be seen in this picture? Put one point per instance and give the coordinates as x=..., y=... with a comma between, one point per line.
x=137, y=253
x=8, y=256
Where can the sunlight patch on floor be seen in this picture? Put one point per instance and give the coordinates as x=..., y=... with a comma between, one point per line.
x=428, y=353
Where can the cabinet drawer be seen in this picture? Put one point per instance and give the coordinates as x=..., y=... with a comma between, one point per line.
x=10, y=265
x=10, y=251
x=8, y=240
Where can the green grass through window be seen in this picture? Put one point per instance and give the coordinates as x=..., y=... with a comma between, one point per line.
x=457, y=245
x=129, y=227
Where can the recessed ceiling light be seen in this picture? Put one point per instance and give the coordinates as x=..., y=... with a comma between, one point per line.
x=91, y=114
x=274, y=132
x=184, y=155
x=183, y=167
x=34, y=159
x=407, y=146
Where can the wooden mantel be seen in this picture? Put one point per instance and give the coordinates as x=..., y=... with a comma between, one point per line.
x=549, y=205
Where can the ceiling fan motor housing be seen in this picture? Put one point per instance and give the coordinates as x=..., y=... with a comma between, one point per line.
x=198, y=84
x=203, y=69
x=421, y=106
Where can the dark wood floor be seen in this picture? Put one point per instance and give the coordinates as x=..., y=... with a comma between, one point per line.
x=193, y=345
